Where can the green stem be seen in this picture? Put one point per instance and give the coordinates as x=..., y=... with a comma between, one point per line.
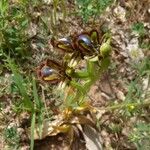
x=64, y=9
x=55, y=4
x=80, y=75
x=121, y=106
x=91, y=75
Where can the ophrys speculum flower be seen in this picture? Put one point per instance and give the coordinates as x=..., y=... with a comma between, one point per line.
x=87, y=44
x=51, y=71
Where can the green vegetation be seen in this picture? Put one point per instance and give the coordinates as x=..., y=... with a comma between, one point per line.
x=92, y=8
x=12, y=138
x=139, y=28
x=27, y=29
x=13, y=25
x=141, y=136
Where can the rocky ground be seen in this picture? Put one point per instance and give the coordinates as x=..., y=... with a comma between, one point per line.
x=129, y=23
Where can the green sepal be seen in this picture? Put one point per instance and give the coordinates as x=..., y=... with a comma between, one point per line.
x=105, y=49
x=105, y=63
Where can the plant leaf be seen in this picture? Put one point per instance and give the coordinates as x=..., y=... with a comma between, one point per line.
x=32, y=131
x=92, y=138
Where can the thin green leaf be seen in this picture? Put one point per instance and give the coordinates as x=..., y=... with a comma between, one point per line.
x=18, y=80
x=38, y=104
x=32, y=131
x=35, y=94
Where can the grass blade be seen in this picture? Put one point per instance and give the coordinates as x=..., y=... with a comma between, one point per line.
x=39, y=106
x=32, y=131
x=19, y=81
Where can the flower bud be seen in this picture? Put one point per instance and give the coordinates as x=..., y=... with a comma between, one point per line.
x=69, y=71
x=105, y=49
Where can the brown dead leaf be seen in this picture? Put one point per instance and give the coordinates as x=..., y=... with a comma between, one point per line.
x=92, y=138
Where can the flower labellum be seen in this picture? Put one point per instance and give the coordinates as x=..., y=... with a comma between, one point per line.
x=46, y=71
x=50, y=71
x=85, y=39
x=65, y=45
x=84, y=44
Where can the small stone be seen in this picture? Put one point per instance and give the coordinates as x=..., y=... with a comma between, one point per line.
x=26, y=147
x=126, y=131
x=104, y=133
x=120, y=13
x=11, y=125
x=20, y=131
x=145, y=83
x=120, y=95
